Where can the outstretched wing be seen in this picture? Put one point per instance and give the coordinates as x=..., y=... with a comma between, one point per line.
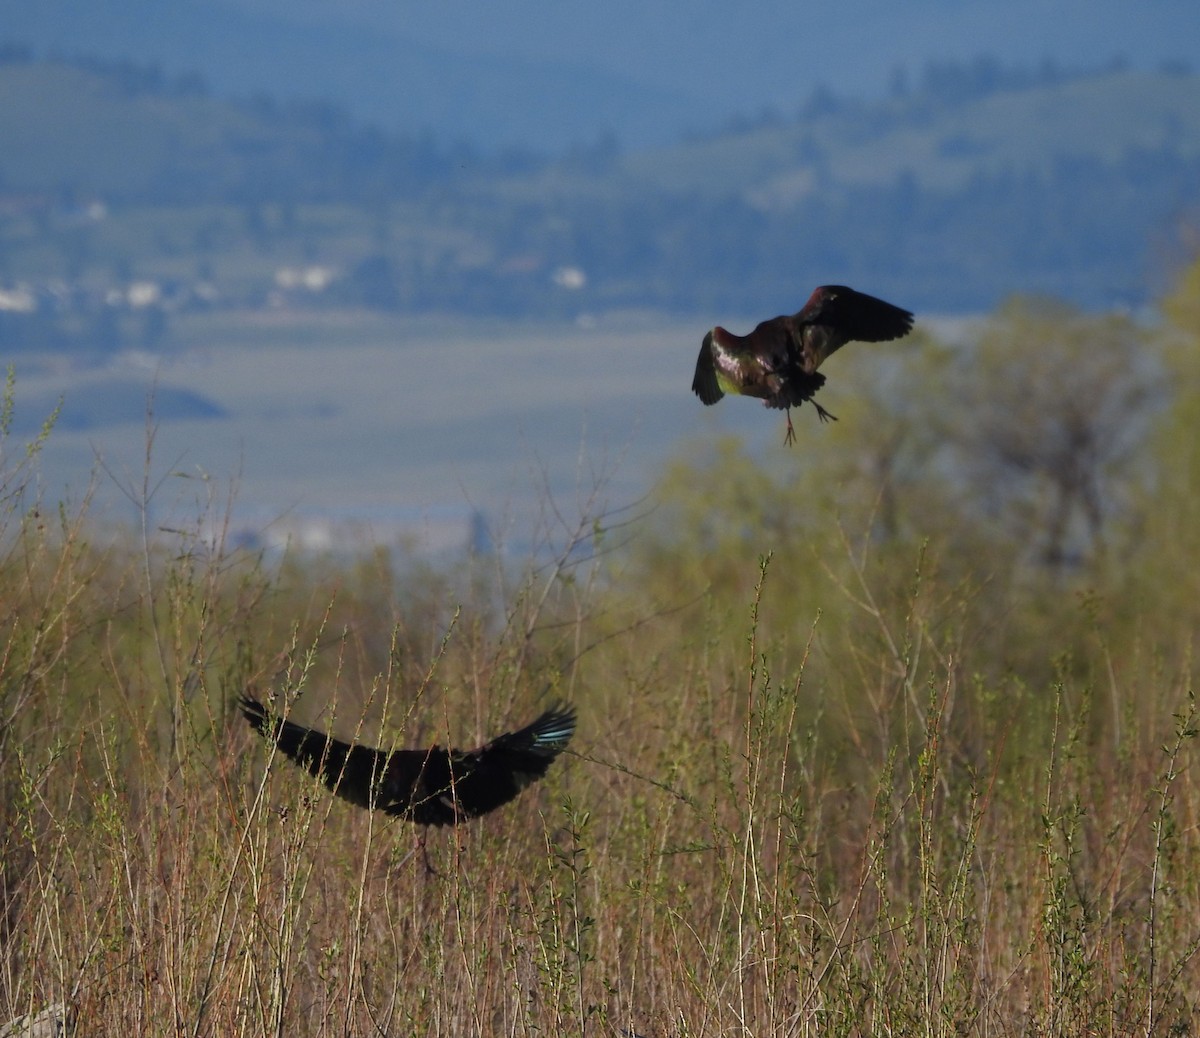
x=835, y=315
x=486, y=778
x=430, y=787
x=704, y=383
x=352, y=772
x=856, y=316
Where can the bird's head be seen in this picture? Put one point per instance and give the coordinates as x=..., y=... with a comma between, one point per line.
x=828, y=293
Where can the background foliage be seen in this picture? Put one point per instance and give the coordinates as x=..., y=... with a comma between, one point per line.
x=892, y=737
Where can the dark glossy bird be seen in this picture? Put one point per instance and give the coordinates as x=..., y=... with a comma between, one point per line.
x=433, y=786
x=778, y=361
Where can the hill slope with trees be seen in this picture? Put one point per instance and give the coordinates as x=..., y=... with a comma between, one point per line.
x=972, y=184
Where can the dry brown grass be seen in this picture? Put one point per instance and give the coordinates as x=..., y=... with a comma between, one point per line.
x=706, y=862
x=833, y=809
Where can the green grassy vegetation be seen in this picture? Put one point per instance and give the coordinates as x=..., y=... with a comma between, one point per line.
x=864, y=748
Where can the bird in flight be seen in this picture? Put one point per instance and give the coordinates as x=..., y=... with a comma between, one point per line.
x=778, y=361
x=433, y=786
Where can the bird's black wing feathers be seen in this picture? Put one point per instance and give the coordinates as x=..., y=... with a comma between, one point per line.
x=352, y=772
x=430, y=787
x=486, y=778
x=705, y=384
x=856, y=316
x=546, y=737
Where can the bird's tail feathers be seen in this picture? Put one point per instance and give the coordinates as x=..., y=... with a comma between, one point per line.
x=796, y=389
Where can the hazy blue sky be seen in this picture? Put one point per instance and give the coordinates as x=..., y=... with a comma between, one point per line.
x=547, y=73
x=755, y=49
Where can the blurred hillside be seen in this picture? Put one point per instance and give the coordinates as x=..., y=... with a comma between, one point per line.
x=550, y=75
x=128, y=194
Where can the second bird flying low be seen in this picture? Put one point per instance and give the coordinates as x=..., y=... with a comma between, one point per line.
x=778, y=361
x=433, y=786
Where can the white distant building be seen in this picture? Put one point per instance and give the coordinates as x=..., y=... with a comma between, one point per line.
x=142, y=294
x=572, y=278
x=313, y=278
x=19, y=299
x=414, y=531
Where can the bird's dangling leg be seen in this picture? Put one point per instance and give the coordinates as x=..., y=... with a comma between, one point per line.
x=429, y=869
x=824, y=415
x=396, y=868
x=790, y=437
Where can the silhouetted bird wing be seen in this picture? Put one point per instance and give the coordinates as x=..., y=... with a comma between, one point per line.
x=353, y=772
x=835, y=315
x=429, y=787
x=704, y=382
x=494, y=774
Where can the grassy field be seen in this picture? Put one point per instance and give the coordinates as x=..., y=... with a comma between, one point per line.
x=755, y=834
x=834, y=775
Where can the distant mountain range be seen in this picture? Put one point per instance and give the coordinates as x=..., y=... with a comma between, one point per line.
x=973, y=182
x=383, y=78
x=531, y=74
